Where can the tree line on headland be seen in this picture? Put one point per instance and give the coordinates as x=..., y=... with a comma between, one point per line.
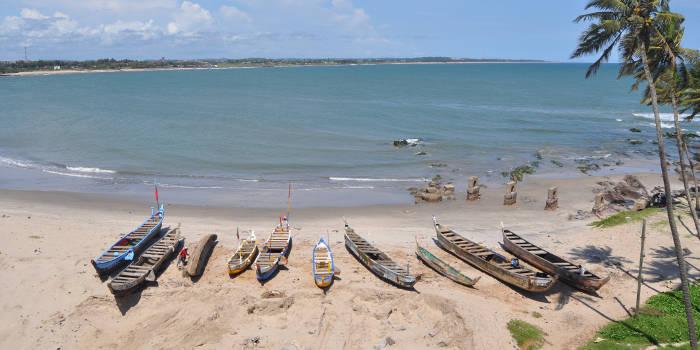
x=112, y=64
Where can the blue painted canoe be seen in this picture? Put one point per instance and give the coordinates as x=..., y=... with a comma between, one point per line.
x=273, y=251
x=322, y=264
x=128, y=247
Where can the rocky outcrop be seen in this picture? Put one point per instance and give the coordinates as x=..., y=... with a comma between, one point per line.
x=434, y=191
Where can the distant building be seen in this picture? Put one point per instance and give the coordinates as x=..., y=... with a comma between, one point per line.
x=56, y=67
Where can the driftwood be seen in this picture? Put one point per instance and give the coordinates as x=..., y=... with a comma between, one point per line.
x=473, y=189
x=552, y=199
x=511, y=196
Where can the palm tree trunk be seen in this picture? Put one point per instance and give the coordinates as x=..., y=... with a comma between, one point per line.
x=692, y=175
x=684, y=174
x=669, y=201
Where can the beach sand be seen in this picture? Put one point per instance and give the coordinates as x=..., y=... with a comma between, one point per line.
x=53, y=299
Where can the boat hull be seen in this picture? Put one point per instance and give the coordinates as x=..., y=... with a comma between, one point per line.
x=103, y=266
x=148, y=264
x=323, y=280
x=530, y=284
x=443, y=268
x=236, y=267
x=265, y=273
x=568, y=276
x=379, y=270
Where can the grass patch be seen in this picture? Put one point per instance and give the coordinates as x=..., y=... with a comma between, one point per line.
x=528, y=337
x=536, y=314
x=661, y=321
x=622, y=217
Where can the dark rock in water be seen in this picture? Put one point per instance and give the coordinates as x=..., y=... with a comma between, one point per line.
x=539, y=154
x=422, y=153
x=635, y=130
x=557, y=163
x=634, y=142
x=406, y=142
x=619, y=162
x=585, y=168
x=438, y=165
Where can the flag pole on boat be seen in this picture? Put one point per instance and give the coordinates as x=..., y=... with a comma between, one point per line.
x=155, y=185
x=289, y=200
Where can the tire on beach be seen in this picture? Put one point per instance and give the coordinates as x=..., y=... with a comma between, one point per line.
x=200, y=255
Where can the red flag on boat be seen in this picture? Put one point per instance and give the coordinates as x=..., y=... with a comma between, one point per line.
x=157, y=202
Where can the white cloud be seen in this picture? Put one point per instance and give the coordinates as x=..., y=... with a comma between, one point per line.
x=231, y=12
x=190, y=20
x=132, y=30
x=32, y=14
x=301, y=28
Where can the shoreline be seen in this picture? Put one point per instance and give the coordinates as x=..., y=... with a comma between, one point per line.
x=131, y=70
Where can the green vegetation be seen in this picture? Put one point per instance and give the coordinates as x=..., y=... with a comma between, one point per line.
x=624, y=217
x=112, y=64
x=518, y=173
x=536, y=314
x=661, y=322
x=528, y=337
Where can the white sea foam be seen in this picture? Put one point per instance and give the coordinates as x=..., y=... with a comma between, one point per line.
x=248, y=180
x=667, y=117
x=75, y=175
x=15, y=162
x=189, y=187
x=365, y=179
x=90, y=170
x=663, y=125
x=619, y=120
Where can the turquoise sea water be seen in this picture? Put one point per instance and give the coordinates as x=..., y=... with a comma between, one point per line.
x=238, y=136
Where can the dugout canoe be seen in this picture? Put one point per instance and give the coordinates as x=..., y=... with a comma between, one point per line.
x=443, y=268
x=244, y=255
x=377, y=261
x=129, y=246
x=273, y=251
x=493, y=263
x=552, y=264
x=322, y=264
x=145, y=269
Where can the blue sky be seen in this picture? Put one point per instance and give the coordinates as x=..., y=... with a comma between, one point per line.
x=142, y=29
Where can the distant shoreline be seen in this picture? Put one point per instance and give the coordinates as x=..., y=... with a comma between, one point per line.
x=127, y=70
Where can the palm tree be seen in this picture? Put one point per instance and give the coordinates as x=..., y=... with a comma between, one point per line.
x=666, y=59
x=629, y=25
x=690, y=97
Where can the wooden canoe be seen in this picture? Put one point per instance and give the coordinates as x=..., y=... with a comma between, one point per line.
x=244, y=255
x=492, y=263
x=552, y=264
x=199, y=255
x=129, y=246
x=147, y=266
x=377, y=261
x=322, y=264
x=443, y=268
x=273, y=251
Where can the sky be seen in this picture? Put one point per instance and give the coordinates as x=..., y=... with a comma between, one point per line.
x=182, y=29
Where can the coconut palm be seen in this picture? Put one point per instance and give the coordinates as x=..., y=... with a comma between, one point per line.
x=666, y=59
x=629, y=26
x=690, y=97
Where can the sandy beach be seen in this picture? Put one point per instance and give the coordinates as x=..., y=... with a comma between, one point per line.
x=53, y=298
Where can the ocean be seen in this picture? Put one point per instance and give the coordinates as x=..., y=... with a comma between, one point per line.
x=239, y=136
